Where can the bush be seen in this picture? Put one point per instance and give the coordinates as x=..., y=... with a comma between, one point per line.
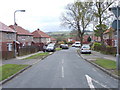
x=97, y=46
x=110, y=50
x=104, y=49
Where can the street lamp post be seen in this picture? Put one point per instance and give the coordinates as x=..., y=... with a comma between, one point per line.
x=15, y=30
x=116, y=11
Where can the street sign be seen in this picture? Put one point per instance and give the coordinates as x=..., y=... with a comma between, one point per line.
x=114, y=10
x=114, y=24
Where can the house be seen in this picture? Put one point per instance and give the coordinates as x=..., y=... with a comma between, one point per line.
x=7, y=40
x=53, y=40
x=40, y=37
x=24, y=37
x=72, y=39
x=110, y=37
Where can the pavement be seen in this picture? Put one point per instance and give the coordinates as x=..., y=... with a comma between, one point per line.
x=18, y=60
x=95, y=54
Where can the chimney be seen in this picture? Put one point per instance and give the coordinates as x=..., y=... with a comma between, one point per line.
x=15, y=24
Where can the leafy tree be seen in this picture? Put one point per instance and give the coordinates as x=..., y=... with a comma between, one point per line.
x=102, y=15
x=78, y=17
x=89, y=39
x=100, y=29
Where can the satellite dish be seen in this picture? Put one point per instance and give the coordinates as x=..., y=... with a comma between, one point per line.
x=114, y=24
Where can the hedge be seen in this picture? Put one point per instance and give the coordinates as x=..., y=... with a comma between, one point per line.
x=104, y=49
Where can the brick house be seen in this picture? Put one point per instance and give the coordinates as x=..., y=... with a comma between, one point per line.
x=7, y=38
x=40, y=37
x=53, y=40
x=24, y=37
x=110, y=37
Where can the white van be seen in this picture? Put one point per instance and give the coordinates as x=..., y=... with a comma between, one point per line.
x=76, y=44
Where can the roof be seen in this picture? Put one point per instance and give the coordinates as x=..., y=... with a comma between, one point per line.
x=5, y=28
x=20, y=30
x=53, y=39
x=39, y=33
x=108, y=30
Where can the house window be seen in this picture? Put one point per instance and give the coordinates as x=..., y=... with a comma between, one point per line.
x=9, y=46
x=9, y=36
x=29, y=43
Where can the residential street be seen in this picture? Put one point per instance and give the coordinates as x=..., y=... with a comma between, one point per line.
x=63, y=69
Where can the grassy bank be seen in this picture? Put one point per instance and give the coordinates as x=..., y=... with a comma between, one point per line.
x=9, y=69
x=37, y=56
x=107, y=64
x=57, y=49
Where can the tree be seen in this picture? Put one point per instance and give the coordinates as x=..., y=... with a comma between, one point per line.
x=102, y=15
x=89, y=39
x=100, y=29
x=78, y=17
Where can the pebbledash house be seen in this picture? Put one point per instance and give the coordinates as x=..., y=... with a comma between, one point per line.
x=24, y=37
x=24, y=40
x=7, y=40
x=40, y=38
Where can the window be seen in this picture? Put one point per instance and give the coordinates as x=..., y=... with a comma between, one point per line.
x=9, y=46
x=9, y=36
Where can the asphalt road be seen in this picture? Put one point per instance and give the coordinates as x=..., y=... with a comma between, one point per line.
x=63, y=69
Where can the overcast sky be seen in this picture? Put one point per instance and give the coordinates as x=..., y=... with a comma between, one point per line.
x=43, y=14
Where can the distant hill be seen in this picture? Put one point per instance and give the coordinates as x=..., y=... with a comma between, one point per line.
x=58, y=33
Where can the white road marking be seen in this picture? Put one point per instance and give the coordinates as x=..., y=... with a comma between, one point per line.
x=62, y=72
x=101, y=84
x=89, y=80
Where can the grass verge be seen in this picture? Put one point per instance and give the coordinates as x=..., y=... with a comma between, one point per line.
x=8, y=70
x=105, y=63
x=57, y=49
x=37, y=56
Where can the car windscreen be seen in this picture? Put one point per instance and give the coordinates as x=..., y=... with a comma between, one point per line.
x=85, y=47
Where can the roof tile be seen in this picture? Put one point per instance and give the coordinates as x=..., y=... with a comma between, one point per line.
x=20, y=30
x=5, y=28
x=39, y=33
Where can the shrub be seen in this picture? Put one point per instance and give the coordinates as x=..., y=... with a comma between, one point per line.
x=96, y=46
x=104, y=49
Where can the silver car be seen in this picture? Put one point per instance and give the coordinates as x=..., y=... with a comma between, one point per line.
x=85, y=49
x=50, y=47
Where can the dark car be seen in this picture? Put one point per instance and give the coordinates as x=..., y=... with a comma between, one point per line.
x=50, y=48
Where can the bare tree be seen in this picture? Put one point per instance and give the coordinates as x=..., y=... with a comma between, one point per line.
x=78, y=15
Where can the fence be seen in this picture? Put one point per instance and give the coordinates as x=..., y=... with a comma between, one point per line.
x=7, y=55
x=28, y=50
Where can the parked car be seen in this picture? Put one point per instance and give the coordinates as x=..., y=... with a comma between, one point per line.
x=76, y=44
x=73, y=45
x=65, y=46
x=85, y=49
x=61, y=45
x=50, y=48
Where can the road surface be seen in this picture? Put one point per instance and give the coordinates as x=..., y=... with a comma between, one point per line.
x=63, y=69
